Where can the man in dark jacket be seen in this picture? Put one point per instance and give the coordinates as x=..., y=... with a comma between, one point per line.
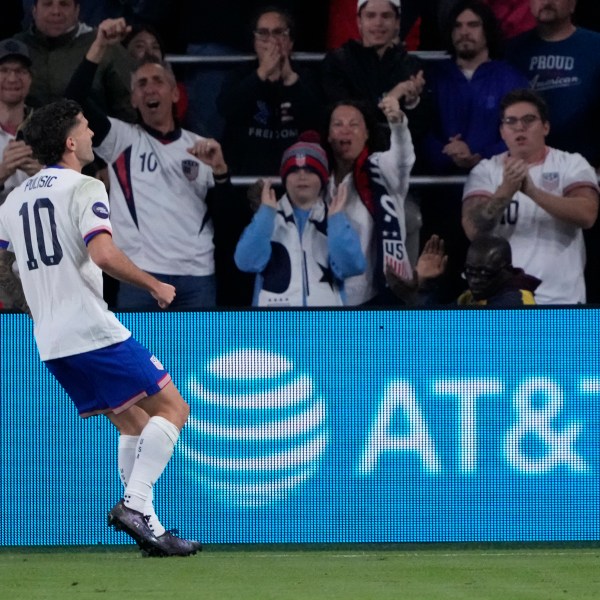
x=57, y=43
x=377, y=65
x=492, y=280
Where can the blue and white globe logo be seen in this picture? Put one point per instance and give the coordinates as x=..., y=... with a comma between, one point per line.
x=257, y=431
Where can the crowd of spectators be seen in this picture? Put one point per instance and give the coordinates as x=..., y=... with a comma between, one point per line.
x=508, y=101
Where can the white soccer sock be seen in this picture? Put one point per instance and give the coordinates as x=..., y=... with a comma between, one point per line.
x=154, y=450
x=126, y=457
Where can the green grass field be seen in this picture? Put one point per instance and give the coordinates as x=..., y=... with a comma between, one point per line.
x=304, y=573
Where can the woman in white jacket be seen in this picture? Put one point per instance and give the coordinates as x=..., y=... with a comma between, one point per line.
x=377, y=185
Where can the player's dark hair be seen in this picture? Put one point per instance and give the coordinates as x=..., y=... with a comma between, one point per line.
x=525, y=95
x=47, y=129
x=489, y=23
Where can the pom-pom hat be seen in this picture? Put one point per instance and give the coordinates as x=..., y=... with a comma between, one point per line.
x=307, y=153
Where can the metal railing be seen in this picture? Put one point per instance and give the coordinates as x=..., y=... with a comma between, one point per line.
x=415, y=180
x=297, y=56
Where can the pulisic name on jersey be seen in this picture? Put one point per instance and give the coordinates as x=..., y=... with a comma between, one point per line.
x=42, y=181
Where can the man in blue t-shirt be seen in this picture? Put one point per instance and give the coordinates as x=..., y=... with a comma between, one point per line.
x=562, y=62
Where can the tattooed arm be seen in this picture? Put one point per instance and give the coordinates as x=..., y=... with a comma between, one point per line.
x=10, y=283
x=578, y=205
x=481, y=214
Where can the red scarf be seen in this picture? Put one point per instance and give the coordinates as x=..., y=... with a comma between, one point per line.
x=362, y=181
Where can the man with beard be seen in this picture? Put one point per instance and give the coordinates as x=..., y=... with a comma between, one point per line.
x=539, y=198
x=466, y=91
x=562, y=63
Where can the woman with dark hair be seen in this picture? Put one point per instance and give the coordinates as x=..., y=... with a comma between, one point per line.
x=143, y=40
x=267, y=103
x=377, y=184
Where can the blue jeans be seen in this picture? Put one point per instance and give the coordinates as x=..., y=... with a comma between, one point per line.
x=192, y=293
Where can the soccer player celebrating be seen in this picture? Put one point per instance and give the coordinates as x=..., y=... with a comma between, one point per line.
x=57, y=225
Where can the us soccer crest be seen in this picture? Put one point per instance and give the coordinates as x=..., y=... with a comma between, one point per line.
x=300, y=160
x=550, y=181
x=190, y=169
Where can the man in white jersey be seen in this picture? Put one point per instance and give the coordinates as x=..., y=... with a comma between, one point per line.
x=539, y=198
x=158, y=182
x=16, y=161
x=57, y=225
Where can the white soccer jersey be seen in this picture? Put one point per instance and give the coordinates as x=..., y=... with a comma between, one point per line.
x=541, y=244
x=18, y=176
x=157, y=199
x=46, y=222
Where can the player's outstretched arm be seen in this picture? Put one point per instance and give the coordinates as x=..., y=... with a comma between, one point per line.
x=10, y=283
x=116, y=264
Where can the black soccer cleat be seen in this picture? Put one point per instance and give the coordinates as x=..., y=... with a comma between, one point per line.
x=169, y=544
x=134, y=524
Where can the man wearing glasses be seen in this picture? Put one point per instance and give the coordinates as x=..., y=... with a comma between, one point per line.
x=491, y=279
x=267, y=104
x=16, y=160
x=539, y=198
x=562, y=63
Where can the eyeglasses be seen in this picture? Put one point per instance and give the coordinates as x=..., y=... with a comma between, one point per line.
x=263, y=34
x=17, y=71
x=525, y=120
x=480, y=272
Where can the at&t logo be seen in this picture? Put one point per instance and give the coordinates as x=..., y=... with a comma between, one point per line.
x=259, y=431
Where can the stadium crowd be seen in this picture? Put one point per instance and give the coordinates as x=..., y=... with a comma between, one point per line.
x=507, y=98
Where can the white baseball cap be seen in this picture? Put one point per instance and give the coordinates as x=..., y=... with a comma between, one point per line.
x=361, y=3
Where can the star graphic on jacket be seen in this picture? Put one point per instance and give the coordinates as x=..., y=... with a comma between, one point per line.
x=327, y=275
